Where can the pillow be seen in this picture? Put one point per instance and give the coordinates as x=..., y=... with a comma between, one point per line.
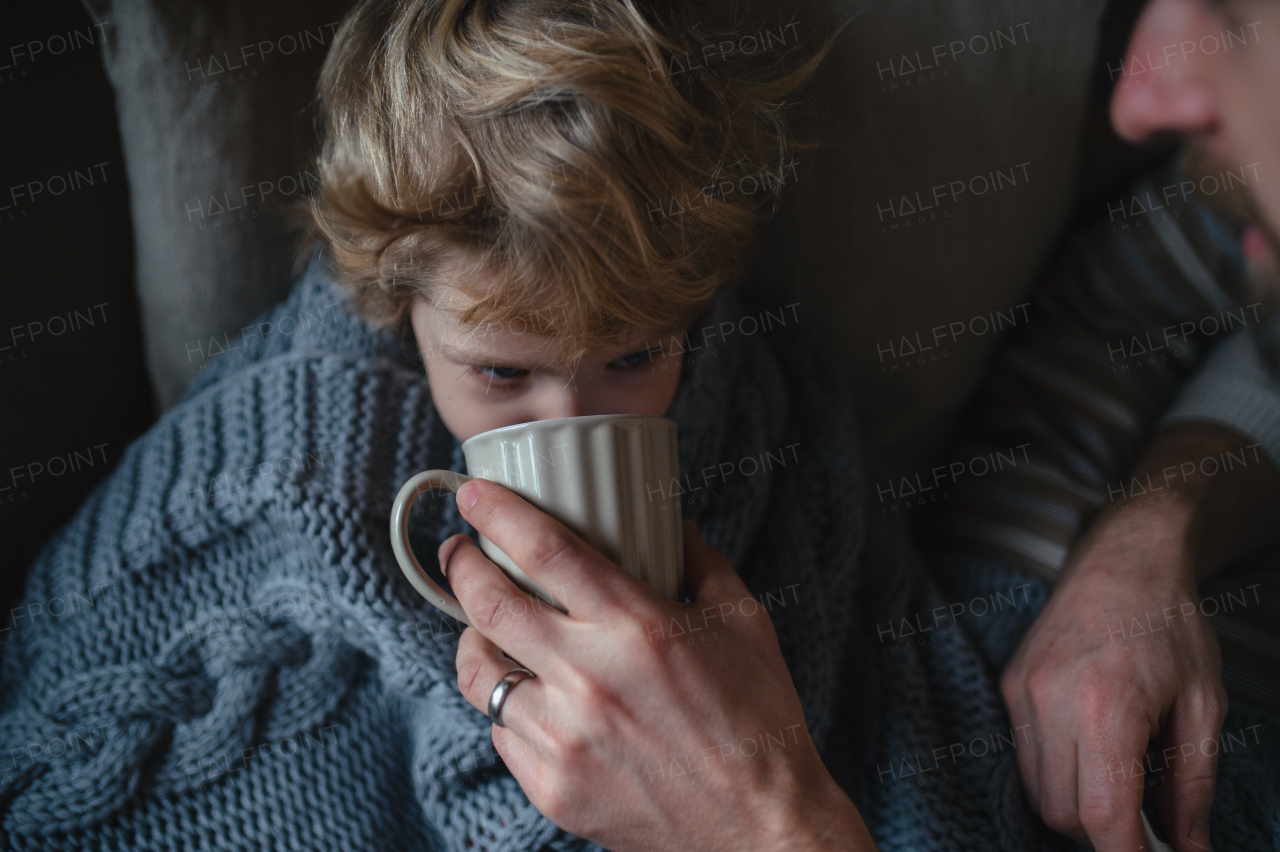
x=214, y=103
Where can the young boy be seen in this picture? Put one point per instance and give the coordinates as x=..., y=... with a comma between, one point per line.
x=549, y=194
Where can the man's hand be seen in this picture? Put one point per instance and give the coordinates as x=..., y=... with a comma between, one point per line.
x=1110, y=664
x=628, y=735
x=1122, y=655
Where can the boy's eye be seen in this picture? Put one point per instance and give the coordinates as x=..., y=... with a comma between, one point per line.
x=503, y=372
x=635, y=359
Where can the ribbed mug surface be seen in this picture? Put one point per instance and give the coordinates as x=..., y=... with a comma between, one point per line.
x=605, y=477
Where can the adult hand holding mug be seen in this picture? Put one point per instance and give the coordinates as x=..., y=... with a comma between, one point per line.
x=604, y=475
x=628, y=736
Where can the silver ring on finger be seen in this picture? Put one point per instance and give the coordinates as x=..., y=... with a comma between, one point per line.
x=503, y=688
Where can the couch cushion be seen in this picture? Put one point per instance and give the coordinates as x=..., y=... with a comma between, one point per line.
x=213, y=100
x=947, y=184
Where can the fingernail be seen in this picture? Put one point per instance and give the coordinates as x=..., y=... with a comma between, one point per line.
x=1198, y=836
x=468, y=495
x=446, y=550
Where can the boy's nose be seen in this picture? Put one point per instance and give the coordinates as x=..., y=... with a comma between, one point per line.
x=1164, y=88
x=565, y=402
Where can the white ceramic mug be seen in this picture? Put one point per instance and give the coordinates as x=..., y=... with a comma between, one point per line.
x=607, y=477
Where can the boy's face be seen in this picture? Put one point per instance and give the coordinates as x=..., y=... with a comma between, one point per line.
x=491, y=375
x=1209, y=71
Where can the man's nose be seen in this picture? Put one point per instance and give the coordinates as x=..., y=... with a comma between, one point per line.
x=1164, y=88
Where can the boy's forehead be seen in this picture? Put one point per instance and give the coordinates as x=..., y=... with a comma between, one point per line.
x=514, y=339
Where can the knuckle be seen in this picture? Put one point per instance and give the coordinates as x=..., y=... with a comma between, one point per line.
x=470, y=642
x=626, y=627
x=489, y=614
x=1208, y=700
x=1221, y=705
x=1200, y=789
x=636, y=632
x=470, y=668
x=594, y=697
x=599, y=710
x=572, y=750
x=1099, y=814
x=1041, y=685
x=550, y=547
x=1060, y=817
x=1095, y=699
x=498, y=613
x=465, y=564
x=559, y=804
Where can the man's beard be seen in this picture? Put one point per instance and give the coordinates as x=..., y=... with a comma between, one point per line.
x=1236, y=204
x=1234, y=199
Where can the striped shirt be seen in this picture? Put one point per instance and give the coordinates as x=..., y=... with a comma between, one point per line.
x=1150, y=291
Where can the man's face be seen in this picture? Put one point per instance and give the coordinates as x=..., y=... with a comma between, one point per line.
x=490, y=375
x=1209, y=72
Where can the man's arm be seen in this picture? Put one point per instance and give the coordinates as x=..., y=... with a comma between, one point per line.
x=1086, y=386
x=1123, y=655
x=1210, y=480
x=1231, y=405
x=1228, y=494
x=1126, y=313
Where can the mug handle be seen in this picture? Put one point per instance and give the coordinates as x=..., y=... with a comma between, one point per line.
x=409, y=492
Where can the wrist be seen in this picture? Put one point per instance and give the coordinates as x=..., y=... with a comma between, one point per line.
x=1147, y=539
x=816, y=816
x=1199, y=491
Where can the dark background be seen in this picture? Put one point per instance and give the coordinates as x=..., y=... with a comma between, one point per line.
x=59, y=254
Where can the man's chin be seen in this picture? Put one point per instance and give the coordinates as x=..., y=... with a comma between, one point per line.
x=1235, y=201
x=1262, y=270
x=1231, y=199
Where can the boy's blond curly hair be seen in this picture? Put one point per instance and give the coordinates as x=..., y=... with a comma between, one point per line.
x=599, y=165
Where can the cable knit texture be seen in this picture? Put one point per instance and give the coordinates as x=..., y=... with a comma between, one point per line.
x=219, y=651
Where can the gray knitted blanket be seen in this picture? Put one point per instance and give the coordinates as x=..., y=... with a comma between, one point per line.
x=219, y=651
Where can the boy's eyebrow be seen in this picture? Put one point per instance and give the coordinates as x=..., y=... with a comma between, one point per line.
x=532, y=361
x=453, y=353
x=458, y=355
